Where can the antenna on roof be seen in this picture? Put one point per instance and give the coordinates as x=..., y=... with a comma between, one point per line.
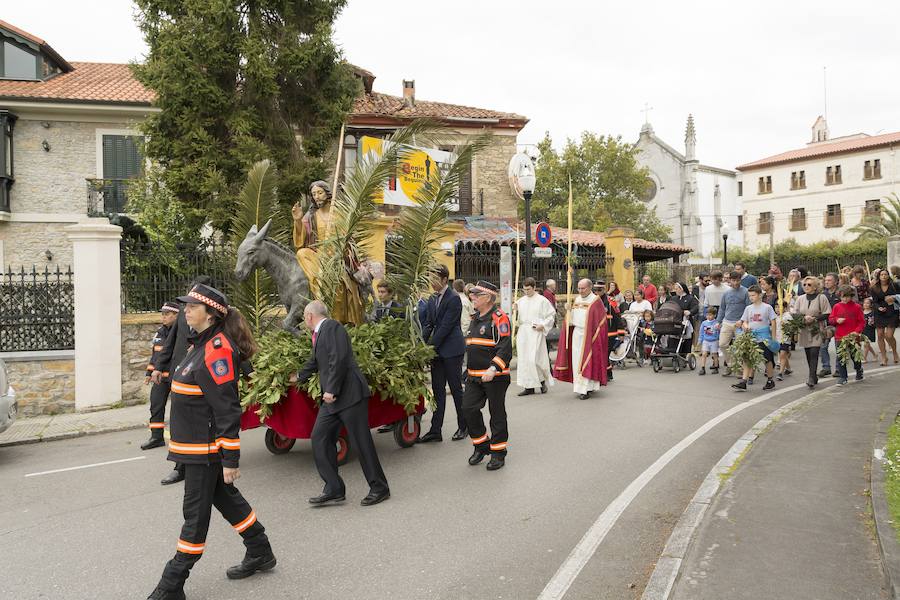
x=825, y=89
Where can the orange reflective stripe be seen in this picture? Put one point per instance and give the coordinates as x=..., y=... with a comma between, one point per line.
x=189, y=548
x=182, y=448
x=500, y=446
x=157, y=425
x=157, y=348
x=500, y=362
x=480, y=440
x=228, y=443
x=480, y=342
x=186, y=389
x=250, y=520
x=477, y=373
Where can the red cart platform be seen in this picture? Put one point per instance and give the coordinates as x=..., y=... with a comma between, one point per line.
x=293, y=418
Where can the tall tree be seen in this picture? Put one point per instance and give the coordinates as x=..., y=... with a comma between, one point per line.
x=238, y=81
x=607, y=186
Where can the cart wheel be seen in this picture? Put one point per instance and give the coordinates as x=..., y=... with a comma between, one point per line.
x=403, y=435
x=343, y=449
x=692, y=362
x=676, y=365
x=640, y=359
x=657, y=366
x=277, y=443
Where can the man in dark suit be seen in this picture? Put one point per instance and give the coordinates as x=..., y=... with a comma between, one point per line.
x=345, y=396
x=441, y=330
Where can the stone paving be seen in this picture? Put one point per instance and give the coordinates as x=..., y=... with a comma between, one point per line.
x=45, y=428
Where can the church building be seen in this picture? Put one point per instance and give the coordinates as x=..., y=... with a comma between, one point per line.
x=695, y=200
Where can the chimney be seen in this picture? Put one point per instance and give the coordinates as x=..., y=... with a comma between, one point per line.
x=409, y=92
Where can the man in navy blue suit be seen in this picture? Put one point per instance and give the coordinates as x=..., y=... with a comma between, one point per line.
x=441, y=330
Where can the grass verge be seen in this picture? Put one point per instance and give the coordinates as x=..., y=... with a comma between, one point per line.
x=892, y=474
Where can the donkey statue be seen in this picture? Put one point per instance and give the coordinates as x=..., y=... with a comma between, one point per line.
x=258, y=251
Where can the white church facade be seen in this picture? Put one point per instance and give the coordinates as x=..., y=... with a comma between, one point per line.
x=695, y=200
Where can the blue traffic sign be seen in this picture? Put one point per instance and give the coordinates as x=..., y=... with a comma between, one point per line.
x=543, y=235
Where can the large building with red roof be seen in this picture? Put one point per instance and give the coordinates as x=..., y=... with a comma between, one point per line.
x=820, y=191
x=70, y=143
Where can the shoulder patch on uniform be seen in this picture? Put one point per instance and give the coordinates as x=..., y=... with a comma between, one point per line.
x=504, y=327
x=220, y=367
x=219, y=361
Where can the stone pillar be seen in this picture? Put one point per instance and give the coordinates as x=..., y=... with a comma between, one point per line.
x=98, y=329
x=619, y=247
x=893, y=251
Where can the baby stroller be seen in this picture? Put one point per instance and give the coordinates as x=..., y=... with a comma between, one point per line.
x=631, y=346
x=673, y=339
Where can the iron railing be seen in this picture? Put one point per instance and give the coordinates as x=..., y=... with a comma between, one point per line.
x=37, y=310
x=107, y=197
x=154, y=272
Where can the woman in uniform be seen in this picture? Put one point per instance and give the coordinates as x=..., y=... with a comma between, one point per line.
x=205, y=422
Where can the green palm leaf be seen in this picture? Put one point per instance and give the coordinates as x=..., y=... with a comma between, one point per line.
x=256, y=296
x=882, y=225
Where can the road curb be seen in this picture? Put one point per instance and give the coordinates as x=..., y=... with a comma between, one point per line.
x=668, y=567
x=72, y=434
x=888, y=546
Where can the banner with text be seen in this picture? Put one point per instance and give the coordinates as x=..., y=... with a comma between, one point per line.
x=414, y=170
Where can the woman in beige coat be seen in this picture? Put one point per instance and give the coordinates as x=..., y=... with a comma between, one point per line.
x=813, y=308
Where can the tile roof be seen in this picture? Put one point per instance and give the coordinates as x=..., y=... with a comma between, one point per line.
x=826, y=149
x=44, y=46
x=394, y=107
x=500, y=231
x=22, y=33
x=87, y=82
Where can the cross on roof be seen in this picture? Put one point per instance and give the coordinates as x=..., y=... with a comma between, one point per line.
x=646, y=110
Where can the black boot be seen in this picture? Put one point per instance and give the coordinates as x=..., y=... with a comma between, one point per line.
x=174, y=477
x=477, y=457
x=153, y=442
x=252, y=564
x=497, y=461
x=161, y=594
x=543, y=387
x=526, y=392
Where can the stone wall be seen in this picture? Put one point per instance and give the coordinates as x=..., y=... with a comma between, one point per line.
x=43, y=387
x=491, y=177
x=25, y=244
x=137, y=334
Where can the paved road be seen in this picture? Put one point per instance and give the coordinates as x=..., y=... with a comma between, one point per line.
x=449, y=531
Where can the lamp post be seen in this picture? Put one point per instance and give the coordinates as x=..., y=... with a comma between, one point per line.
x=724, y=230
x=522, y=181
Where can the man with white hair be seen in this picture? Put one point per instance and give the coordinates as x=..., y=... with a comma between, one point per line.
x=572, y=344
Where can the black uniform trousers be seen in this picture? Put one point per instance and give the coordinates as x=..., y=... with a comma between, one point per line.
x=494, y=394
x=324, y=443
x=159, y=394
x=443, y=372
x=205, y=487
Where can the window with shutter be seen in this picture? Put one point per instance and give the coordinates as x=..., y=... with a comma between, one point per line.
x=122, y=161
x=465, y=192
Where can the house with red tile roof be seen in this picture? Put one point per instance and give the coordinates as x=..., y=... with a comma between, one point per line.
x=71, y=144
x=820, y=191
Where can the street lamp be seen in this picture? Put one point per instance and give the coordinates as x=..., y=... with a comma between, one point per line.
x=522, y=181
x=724, y=230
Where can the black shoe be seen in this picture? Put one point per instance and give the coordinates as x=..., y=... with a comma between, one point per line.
x=526, y=392
x=859, y=376
x=250, y=565
x=174, y=477
x=779, y=377
x=702, y=371
x=153, y=442
x=824, y=372
x=161, y=594
x=811, y=383
x=477, y=457
x=431, y=436
x=740, y=385
x=374, y=498
x=460, y=434
x=386, y=428
x=750, y=381
x=770, y=385
x=497, y=461
x=323, y=499
x=714, y=370
x=543, y=387
x=788, y=371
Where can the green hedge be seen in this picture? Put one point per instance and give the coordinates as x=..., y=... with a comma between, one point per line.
x=822, y=256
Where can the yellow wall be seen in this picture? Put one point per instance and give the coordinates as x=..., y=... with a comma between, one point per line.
x=376, y=250
x=620, y=247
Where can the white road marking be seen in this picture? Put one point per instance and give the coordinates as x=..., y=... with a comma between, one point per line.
x=565, y=576
x=109, y=462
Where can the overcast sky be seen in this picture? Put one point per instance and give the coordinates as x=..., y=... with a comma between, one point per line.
x=751, y=73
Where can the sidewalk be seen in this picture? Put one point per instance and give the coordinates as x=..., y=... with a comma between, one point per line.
x=793, y=520
x=27, y=430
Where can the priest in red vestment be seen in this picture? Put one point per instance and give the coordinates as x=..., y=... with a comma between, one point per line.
x=595, y=354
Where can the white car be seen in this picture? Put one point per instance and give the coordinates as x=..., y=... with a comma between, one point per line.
x=8, y=406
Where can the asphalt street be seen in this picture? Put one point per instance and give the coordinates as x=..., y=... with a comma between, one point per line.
x=449, y=530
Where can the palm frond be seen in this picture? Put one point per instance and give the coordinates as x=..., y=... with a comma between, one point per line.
x=256, y=296
x=882, y=225
x=354, y=204
x=411, y=255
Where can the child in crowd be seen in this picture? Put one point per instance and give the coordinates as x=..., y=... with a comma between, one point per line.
x=869, y=330
x=709, y=342
x=786, y=341
x=847, y=317
x=645, y=326
x=758, y=319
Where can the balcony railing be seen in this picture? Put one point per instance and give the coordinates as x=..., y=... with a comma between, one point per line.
x=106, y=197
x=834, y=220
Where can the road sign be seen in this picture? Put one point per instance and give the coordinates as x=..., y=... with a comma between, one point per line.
x=543, y=235
x=543, y=252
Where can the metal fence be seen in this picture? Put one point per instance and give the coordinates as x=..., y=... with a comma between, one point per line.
x=154, y=272
x=37, y=310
